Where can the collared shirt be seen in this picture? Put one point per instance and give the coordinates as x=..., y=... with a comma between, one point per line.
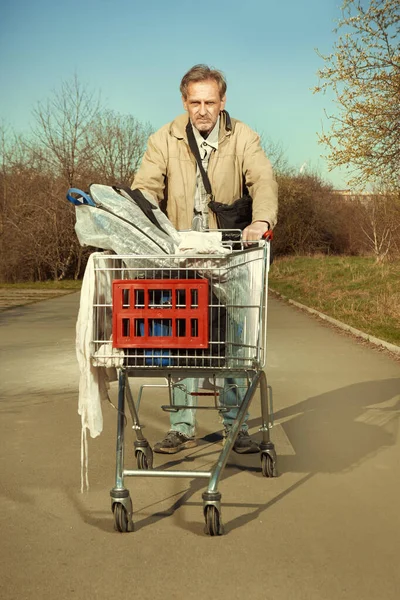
x=206, y=147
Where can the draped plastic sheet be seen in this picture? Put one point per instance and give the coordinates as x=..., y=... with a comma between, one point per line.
x=117, y=223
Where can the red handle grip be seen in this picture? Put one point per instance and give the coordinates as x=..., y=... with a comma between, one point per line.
x=268, y=235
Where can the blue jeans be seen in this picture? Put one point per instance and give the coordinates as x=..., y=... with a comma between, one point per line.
x=184, y=420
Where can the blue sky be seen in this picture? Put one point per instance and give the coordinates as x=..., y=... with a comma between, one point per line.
x=135, y=53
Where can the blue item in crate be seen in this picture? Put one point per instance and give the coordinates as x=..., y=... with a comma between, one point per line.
x=158, y=357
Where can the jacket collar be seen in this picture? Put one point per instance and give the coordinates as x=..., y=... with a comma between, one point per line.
x=178, y=126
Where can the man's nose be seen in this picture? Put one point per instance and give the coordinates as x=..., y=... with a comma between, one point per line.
x=202, y=108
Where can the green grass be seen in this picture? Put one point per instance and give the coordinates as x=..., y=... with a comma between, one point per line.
x=68, y=284
x=354, y=290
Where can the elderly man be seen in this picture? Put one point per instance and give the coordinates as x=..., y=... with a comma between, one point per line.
x=231, y=155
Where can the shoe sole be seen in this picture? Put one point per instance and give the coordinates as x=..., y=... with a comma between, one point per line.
x=184, y=446
x=249, y=450
x=246, y=450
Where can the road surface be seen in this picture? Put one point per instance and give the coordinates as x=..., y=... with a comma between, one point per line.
x=328, y=528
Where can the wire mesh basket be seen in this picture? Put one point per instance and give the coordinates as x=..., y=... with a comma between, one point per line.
x=182, y=311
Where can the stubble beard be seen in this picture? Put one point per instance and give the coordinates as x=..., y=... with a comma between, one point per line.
x=204, y=126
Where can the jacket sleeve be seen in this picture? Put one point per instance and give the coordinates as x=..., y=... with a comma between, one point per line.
x=151, y=175
x=260, y=181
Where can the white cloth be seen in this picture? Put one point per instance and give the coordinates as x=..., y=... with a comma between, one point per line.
x=201, y=242
x=206, y=242
x=107, y=356
x=93, y=381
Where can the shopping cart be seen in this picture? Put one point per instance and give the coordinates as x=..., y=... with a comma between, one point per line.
x=177, y=317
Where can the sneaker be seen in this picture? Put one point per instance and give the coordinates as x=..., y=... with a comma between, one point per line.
x=243, y=443
x=174, y=441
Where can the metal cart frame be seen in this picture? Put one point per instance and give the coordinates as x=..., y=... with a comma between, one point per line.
x=241, y=353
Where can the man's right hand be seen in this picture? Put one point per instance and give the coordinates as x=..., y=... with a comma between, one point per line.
x=255, y=231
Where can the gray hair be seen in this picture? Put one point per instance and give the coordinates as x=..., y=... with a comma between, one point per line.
x=203, y=73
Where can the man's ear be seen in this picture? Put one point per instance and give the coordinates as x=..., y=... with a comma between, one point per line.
x=184, y=102
x=223, y=102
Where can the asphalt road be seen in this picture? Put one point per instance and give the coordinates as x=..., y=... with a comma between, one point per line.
x=327, y=528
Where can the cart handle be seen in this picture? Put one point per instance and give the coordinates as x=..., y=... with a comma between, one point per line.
x=86, y=199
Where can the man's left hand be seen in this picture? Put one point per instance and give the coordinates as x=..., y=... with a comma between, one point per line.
x=255, y=231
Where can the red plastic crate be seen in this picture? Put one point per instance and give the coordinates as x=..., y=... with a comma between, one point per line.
x=160, y=313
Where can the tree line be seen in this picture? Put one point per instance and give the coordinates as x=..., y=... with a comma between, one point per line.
x=75, y=141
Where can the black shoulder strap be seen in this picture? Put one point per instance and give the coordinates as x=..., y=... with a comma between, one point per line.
x=195, y=150
x=144, y=204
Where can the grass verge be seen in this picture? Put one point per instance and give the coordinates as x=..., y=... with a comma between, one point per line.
x=354, y=290
x=14, y=295
x=68, y=284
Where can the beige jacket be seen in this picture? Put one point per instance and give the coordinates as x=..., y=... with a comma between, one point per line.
x=168, y=171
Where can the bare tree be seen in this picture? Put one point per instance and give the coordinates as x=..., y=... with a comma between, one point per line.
x=73, y=143
x=61, y=149
x=60, y=132
x=275, y=152
x=305, y=223
x=379, y=218
x=364, y=73
x=3, y=173
x=118, y=143
x=13, y=176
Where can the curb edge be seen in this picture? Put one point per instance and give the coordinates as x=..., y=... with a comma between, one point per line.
x=356, y=332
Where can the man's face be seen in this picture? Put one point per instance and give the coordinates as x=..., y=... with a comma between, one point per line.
x=203, y=104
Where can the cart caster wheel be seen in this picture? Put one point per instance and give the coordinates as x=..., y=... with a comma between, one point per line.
x=121, y=520
x=213, y=520
x=268, y=467
x=142, y=461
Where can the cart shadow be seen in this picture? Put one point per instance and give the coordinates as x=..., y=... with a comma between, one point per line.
x=331, y=433
x=196, y=486
x=337, y=431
